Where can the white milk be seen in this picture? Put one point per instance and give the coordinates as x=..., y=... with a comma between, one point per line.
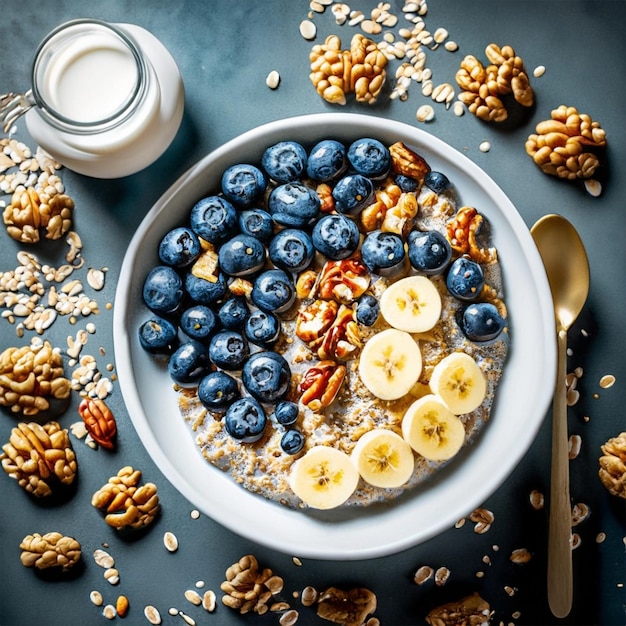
x=91, y=78
x=110, y=98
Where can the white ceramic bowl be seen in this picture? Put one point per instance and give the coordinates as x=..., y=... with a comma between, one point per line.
x=522, y=397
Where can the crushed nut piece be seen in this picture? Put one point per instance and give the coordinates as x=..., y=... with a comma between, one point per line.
x=613, y=465
x=321, y=383
x=50, y=550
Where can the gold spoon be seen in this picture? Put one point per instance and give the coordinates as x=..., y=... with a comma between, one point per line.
x=567, y=268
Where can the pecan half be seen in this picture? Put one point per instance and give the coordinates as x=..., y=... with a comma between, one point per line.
x=343, y=281
x=321, y=383
x=99, y=421
x=342, y=339
x=315, y=319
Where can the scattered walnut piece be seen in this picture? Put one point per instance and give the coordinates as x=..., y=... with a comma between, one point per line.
x=566, y=145
x=248, y=587
x=335, y=73
x=127, y=504
x=31, y=213
x=39, y=457
x=31, y=379
x=483, y=86
x=470, y=611
x=99, y=421
x=349, y=608
x=463, y=232
x=50, y=550
x=613, y=465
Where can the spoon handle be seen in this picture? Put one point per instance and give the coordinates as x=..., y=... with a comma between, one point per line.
x=560, y=576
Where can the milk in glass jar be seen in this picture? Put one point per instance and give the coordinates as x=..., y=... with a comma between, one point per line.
x=109, y=97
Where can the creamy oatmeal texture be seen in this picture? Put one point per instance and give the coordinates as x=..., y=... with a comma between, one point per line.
x=263, y=467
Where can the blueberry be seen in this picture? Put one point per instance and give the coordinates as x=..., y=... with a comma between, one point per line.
x=436, y=181
x=383, y=253
x=243, y=184
x=262, y=328
x=257, y=223
x=353, y=193
x=291, y=250
x=481, y=321
x=241, y=255
x=465, y=279
x=214, y=219
x=273, y=291
x=228, y=350
x=179, y=247
x=370, y=158
x=198, y=322
x=234, y=313
x=429, y=251
x=189, y=363
x=336, y=236
x=327, y=161
x=292, y=442
x=163, y=289
x=158, y=336
x=203, y=291
x=406, y=183
x=367, y=310
x=285, y=161
x=245, y=420
x=266, y=376
x=294, y=205
x=286, y=413
x=217, y=390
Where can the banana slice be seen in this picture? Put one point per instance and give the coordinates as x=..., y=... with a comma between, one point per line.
x=324, y=477
x=390, y=364
x=412, y=304
x=432, y=430
x=383, y=458
x=459, y=382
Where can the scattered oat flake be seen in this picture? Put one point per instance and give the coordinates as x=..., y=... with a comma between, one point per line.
x=485, y=146
x=607, y=381
x=308, y=29
x=540, y=70
x=593, y=187
x=170, y=541
x=425, y=113
x=273, y=79
x=600, y=537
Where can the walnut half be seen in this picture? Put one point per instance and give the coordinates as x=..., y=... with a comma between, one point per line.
x=349, y=608
x=52, y=550
x=470, y=611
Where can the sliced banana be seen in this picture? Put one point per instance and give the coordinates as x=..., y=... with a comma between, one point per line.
x=390, y=364
x=412, y=304
x=324, y=477
x=459, y=382
x=432, y=430
x=383, y=458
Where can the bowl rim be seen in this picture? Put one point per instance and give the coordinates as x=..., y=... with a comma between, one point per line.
x=345, y=537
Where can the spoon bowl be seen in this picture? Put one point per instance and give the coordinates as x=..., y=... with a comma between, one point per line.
x=567, y=269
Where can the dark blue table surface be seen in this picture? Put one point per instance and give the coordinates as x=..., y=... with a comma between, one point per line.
x=225, y=49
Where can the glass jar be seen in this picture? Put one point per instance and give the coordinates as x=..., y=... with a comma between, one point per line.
x=109, y=97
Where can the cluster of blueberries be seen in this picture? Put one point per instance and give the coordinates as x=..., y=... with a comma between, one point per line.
x=219, y=328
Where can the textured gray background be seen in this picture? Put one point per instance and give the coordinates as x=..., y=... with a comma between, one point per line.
x=225, y=49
